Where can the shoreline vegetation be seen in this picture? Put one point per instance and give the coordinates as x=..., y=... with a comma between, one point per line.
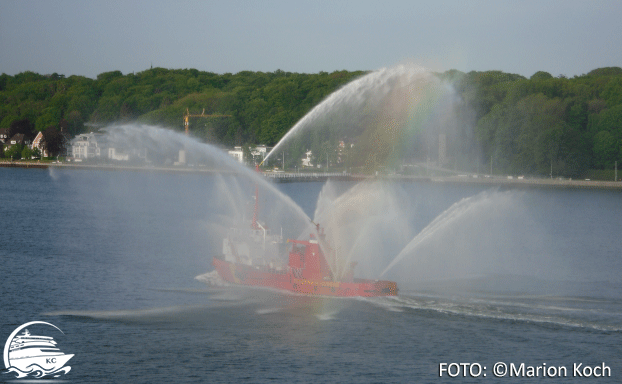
x=542, y=125
x=493, y=181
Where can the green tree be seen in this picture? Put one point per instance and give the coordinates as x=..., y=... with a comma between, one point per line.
x=23, y=126
x=541, y=75
x=27, y=153
x=606, y=150
x=53, y=141
x=14, y=152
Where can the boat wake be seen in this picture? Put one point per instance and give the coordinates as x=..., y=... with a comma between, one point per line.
x=126, y=314
x=229, y=296
x=559, y=311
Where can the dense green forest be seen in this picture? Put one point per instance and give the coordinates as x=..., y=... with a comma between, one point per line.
x=525, y=126
x=528, y=126
x=262, y=105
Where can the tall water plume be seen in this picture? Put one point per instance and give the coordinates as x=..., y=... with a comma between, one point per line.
x=382, y=119
x=363, y=223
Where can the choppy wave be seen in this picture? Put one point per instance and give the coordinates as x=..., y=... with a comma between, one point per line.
x=327, y=315
x=37, y=372
x=265, y=311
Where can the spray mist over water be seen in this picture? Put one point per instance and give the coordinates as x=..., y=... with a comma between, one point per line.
x=486, y=234
x=368, y=224
x=362, y=224
x=466, y=206
x=480, y=240
x=233, y=183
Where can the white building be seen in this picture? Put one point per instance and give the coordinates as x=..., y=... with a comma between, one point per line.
x=115, y=154
x=237, y=153
x=260, y=152
x=94, y=145
x=306, y=161
x=86, y=146
x=38, y=143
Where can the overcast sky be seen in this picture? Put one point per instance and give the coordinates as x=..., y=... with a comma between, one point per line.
x=89, y=37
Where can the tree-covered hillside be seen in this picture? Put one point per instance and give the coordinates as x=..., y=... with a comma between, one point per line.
x=528, y=126
x=525, y=126
x=263, y=106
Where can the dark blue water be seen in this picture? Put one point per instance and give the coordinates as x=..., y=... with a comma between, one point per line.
x=531, y=277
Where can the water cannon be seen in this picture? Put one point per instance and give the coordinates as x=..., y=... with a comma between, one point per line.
x=320, y=231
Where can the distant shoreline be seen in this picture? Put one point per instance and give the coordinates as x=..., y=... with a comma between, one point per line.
x=108, y=167
x=532, y=183
x=301, y=177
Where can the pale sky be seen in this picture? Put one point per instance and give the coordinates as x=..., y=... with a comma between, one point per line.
x=88, y=37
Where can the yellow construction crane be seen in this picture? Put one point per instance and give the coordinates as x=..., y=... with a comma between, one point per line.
x=188, y=115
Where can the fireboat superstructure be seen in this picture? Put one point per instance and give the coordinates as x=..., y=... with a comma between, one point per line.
x=250, y=256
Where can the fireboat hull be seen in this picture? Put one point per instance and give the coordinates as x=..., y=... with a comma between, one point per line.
x=286, y=280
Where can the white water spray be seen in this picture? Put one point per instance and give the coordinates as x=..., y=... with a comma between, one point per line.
x=363, y=96
x=451, y=214
x=361, y=224
x=161, y=145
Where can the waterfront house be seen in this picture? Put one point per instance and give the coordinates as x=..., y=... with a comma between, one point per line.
x=259, y=153
x=18, y=138
x=237, y=153
x=4, y=133
x=39, y=143
x=96, y=146
x=87, y=146
x=118, y=154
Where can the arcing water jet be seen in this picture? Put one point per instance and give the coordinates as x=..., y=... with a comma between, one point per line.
x=161, y=146
x=456, y=211
x=380, y=115
x=367, y=219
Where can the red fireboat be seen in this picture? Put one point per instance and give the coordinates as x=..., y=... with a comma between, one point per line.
x=250, y=257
